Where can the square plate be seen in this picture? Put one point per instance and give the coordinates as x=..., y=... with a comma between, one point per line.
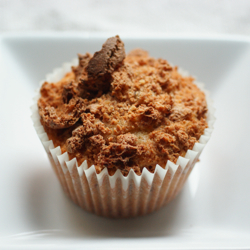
x=212, y=211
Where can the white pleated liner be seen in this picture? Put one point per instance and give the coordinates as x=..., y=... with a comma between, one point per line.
x=119, y=196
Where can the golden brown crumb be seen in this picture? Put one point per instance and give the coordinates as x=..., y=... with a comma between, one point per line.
x=146, y=114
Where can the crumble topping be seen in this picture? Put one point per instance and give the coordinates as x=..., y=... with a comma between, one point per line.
x=121, y=112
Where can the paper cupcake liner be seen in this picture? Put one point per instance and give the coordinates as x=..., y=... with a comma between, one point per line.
x=119, y=196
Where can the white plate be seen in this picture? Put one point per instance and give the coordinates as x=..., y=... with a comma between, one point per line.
x=213, y=210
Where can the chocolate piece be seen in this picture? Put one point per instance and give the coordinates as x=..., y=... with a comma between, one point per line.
x=102, y=65
x=107, y=59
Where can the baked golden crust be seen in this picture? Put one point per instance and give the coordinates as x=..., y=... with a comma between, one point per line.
x=146, y=114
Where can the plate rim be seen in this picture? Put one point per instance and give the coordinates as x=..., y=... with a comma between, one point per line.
x=124, y=35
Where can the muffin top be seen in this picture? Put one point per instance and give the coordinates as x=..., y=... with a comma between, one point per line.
x=123, y=112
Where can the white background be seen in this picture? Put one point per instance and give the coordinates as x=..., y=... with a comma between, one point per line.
x=158, y=16
x=34, y=211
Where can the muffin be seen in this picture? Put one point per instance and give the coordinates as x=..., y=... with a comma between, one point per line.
x=122, y=132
